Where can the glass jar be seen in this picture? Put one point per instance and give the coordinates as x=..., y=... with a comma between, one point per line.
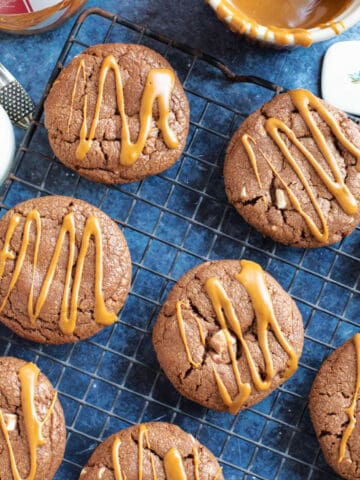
x=35, y=16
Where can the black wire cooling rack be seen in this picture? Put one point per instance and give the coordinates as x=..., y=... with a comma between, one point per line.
x=173, y=222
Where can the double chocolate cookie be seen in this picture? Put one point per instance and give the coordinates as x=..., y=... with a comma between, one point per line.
x=292, y=171
x=117, y=114
x=334, y=408
x=228, y=335
x=65, y=270
x=32, y=425
x=152, y=450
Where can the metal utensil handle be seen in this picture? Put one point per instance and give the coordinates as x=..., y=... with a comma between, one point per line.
x=15, y=100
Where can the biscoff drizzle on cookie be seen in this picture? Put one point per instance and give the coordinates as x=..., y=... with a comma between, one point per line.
x=159, y=86
x=303, y=100
x=350, y=411
x=173, y=463
x=181, y=325
x=252, y=278
x=28, y=375
x=69, y=304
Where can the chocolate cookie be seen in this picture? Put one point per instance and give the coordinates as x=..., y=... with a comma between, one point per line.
x=292, y=171
x=152, y=450
x=65, y=270
x=117, y=114
x=334, y=408
x=32, y=425
x=228, y=335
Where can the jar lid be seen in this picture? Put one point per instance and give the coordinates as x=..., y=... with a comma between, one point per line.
x=7, y=144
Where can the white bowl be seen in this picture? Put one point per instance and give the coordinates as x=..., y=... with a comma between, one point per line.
x=7, y=144
x=282, y=37
x=340, y=77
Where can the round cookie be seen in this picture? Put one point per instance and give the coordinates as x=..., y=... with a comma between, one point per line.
x=333, y=408
x=167, y=452
x=228, y=335
x=28, y=403
x=143, y=120
x=292, y=171
x=65, y=270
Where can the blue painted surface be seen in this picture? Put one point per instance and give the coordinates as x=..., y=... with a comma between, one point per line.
x=173, y=222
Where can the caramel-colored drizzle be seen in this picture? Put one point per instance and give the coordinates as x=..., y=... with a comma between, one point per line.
x=252, y=278
x=92, y=228
x=303, y=99
x=143, y=435
x=351, y=410
x=246, y=139
x=80, y=69
x=28, y=375
x=218, y=473
x=159, y=86
x=181, y=325
x=174, y=467
x=173, y=464
x=197, y=464
x=116, y=460
x=338, y=27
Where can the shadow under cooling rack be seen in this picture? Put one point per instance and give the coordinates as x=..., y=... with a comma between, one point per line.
x=173, y=222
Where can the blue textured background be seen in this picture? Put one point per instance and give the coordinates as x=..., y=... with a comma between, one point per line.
x=172, y=222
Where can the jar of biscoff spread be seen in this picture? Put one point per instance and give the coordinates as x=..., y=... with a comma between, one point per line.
x=34, y=16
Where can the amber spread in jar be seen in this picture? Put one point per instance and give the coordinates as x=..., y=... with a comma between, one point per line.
x=35, y=16
x=291, y=13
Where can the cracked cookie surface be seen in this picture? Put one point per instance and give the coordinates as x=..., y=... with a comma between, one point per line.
x=331, y=396
x=46, y=457
x=64, y=115
x=158, y=439
x=262, y=197
x=39, y=307
x=194, y=373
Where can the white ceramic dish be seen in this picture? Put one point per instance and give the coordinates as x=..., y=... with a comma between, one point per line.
x=340, y=78
x=7, y=144
x=284, y=37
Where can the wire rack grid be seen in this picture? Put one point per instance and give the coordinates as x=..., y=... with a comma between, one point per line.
x=173, y=222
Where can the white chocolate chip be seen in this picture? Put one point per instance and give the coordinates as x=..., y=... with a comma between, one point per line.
x=218, y=343
x=243, y=193
x=280, y=198
x=101, y=472
x=10, y=421
x=274, y=228
x=83, y=471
